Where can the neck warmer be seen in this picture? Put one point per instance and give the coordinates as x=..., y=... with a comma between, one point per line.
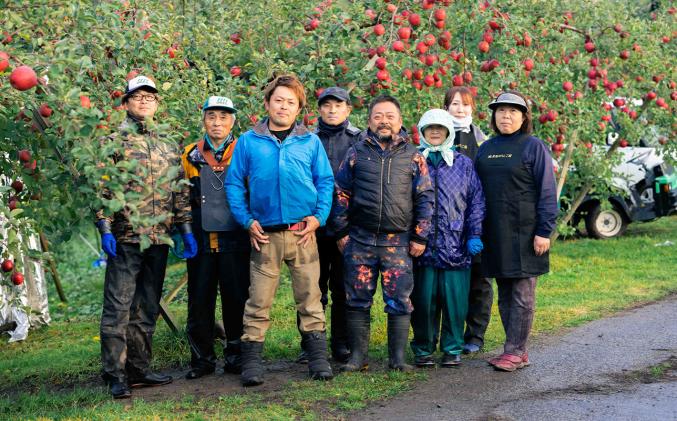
x=330, y=129
x=462, y=124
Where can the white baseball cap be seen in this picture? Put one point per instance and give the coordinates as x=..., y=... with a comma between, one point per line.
x=138, y=83
x=218, y=102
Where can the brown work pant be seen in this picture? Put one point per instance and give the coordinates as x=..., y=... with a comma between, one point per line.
x=304, y=267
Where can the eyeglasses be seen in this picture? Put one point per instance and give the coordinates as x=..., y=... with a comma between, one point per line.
x=139, y=97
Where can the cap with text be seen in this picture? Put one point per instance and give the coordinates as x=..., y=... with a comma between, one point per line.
x=138, y=83
x=218, y=102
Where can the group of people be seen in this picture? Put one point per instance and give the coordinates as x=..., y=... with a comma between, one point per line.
x=340, y=207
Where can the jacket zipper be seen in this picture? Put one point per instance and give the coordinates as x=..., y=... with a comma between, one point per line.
x=436, y=214
x=390, y=161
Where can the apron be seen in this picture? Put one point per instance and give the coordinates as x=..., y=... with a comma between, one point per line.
x=216, y=215
x=510, y=223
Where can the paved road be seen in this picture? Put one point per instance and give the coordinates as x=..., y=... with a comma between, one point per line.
x=594, y=372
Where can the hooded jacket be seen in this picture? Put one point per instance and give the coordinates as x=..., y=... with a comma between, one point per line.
x=279, y=182
x=459, y=207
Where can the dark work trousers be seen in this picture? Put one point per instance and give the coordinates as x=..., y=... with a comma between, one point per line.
x=480, y=298
x=331, y=280
x=516, y=304
x=439, y=291
x=229, y=273
x=131, y=303
x=362, y=265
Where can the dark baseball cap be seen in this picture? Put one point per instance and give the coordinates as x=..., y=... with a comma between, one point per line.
x=334, y=92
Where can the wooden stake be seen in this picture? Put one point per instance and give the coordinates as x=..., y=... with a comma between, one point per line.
x=52, y=268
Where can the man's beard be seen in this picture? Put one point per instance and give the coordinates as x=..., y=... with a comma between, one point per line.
x=384, y=138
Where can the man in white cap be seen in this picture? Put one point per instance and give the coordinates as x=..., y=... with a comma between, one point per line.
x=134, y=277
x=223, y=245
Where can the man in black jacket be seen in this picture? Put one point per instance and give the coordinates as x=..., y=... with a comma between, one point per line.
x=337, y=135
x=381, y=216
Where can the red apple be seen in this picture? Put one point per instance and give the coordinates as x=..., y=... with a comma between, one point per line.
x=440, y=14
x=618, y=28
x=528, y=64
x=414, y=19
x=381, y=63
x=567, y=86
x=619, y=102
x=7, y=265
x=235, y=71
x=457, y=80
x=408, y=74
x=483, y=46
x=12, y=203
x=429, y=80
x=235, y=38
x=45, y=111
x=4, y=61
x=398, y=46
x=17, y=278
x=404, y=32
x=379, y=30
x=589, y=46
x=85, y=101
x=24, y=155
x=18, y=186
x=23, y=78
x=383, y=75
x=623, y=143
x=429, y=40
x=624, y=55
x=661, y=103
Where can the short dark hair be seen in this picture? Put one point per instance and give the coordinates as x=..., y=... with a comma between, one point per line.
x=527, y=124
x=288, y=81
x=384, y=98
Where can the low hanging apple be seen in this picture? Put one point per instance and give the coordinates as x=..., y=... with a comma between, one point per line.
x=17, y=278
x=7, y=265
x=4, y=61
x=23, y=78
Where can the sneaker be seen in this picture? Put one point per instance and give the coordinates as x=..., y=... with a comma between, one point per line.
x=471, y=348
x=424, y=361
x=451, y=360
x=509, y=362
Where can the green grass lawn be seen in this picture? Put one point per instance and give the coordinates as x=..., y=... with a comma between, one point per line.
x=54, y=373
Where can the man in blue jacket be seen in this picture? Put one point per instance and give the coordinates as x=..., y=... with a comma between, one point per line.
x=280, y=187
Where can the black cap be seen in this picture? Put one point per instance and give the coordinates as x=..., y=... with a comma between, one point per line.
x=334, y=92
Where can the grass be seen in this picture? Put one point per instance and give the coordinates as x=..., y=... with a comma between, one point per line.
x=54, y=373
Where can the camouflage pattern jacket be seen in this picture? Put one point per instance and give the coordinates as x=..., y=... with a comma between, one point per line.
x=150, y=186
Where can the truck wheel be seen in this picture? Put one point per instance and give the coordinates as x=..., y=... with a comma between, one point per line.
x=605, y=223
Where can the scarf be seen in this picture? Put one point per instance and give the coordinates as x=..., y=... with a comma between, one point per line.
x=446, y=148
x=462, y=124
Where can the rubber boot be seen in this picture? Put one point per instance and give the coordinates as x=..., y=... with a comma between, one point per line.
x=398, y=332
x=358, y=323
x=233, y=357
x=315, y=344
x=340, y=351
x=252, y=366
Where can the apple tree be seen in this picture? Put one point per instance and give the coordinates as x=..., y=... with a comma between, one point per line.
x=590, y=69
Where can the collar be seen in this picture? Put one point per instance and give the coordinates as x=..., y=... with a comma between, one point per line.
x=397, y=140
x=323, y=127
x=261, y=128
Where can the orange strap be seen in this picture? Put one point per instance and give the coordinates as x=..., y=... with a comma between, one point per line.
x=209, y=155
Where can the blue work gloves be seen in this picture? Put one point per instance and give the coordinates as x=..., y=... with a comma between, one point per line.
x=189, y=245
x=474, y=246
x=108, y=244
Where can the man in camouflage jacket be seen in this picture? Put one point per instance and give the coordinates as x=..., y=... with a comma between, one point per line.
x=134, y=277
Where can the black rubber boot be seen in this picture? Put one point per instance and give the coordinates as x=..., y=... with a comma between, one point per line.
x=252, y=366
x=233, y=357
x=358, y=323
x=398, y=332
x=340, y=351
x=315, y=344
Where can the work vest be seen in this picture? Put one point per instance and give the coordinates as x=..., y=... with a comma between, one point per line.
x=383, y=188
x=510, y=223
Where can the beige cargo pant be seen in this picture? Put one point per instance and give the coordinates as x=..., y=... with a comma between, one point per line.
x=304, y=267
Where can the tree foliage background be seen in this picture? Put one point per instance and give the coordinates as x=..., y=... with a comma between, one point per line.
x=607, y=50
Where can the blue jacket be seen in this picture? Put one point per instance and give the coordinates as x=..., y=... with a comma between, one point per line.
x=459, y=212
x=279, y=183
